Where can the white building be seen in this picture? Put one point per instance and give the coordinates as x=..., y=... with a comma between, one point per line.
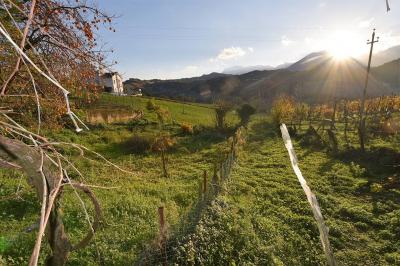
x=112, y=83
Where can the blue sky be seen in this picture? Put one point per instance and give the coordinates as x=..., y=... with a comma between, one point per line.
x=183, y=38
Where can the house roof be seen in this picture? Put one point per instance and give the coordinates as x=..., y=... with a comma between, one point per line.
x=109, y=74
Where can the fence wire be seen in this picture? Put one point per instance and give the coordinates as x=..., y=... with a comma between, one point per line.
x=164, y=248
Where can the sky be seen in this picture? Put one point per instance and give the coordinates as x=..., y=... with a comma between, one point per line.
x=169, y=39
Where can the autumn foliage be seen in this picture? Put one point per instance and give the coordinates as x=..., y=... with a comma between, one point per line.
x=60, y=40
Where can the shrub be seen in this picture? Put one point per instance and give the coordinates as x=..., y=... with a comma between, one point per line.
x=221, y=109
x=162, y=115
x=151, y=105
x=187, y=128
x=300, y=112
x=282, y=110
x=244, y=112
x=162, y=144
x=140, y=144
x=376, y=188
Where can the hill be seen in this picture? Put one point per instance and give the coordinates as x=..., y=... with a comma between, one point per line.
x=310, y=61
x=382, y=57
x=316, y=77
x=336, y=78
x=389, y=73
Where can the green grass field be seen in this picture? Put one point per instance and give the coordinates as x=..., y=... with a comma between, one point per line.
x=261, y=217
x=264, y=218
x=196, y=114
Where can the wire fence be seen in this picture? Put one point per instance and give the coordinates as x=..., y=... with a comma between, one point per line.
x=162, y=249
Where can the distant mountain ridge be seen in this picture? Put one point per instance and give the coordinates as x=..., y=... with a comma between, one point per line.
x=382, y=57
x=309, y=61
x=389, y=73
x=239, y=70
x=316, y=77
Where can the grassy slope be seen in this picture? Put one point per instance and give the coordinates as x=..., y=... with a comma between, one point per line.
x=196, y=114
x=264, y=216
x=130, y=210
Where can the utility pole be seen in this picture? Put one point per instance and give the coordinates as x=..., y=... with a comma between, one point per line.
x=361, y=129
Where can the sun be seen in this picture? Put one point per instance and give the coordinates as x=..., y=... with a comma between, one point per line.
x=343, y=44
x=340, y=53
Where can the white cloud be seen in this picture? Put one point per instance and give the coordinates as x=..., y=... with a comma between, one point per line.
x=322, y=4
x=285, y=41
x=365, y=23
x=231, y=53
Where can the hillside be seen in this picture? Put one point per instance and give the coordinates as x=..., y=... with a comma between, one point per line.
x=261, y=215
x=382, y=57
x=239, y=70
x=263, y=218
x=129, y=200
x=316, y=77
x=310, y=61
x=389, y=73
x=336, y=78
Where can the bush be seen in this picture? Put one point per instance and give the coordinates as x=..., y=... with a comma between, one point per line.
x=244, y=112
x=376, y=188
x=187, y=129
x=140, y=144
x=282, y=110
x=151, y=105
x=300, y=112
x=221, y=109
x=162, y=144
x=162, y=115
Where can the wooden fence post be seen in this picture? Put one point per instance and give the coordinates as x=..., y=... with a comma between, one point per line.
x=163, y=247
x=215, y=182
x=221, y=171
x=234, y=145
x=205, y=182
x=200, y=189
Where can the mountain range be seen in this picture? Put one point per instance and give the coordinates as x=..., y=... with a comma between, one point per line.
x=238, y=70
x=316, y=77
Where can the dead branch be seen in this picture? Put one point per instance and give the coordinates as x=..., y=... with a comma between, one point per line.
x=46, y=176
x=22, y=45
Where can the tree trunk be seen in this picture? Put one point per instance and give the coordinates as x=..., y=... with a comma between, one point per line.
x=164, y=164
x=58, y=240
x=18, y=155
x=333, y=115
x=346, y=114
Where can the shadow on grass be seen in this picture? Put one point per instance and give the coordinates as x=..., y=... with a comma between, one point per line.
x=380, y=171
x=204, y=139
x=373, y=174
x=141, y=141
x=261, y=130
x=378, y=161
